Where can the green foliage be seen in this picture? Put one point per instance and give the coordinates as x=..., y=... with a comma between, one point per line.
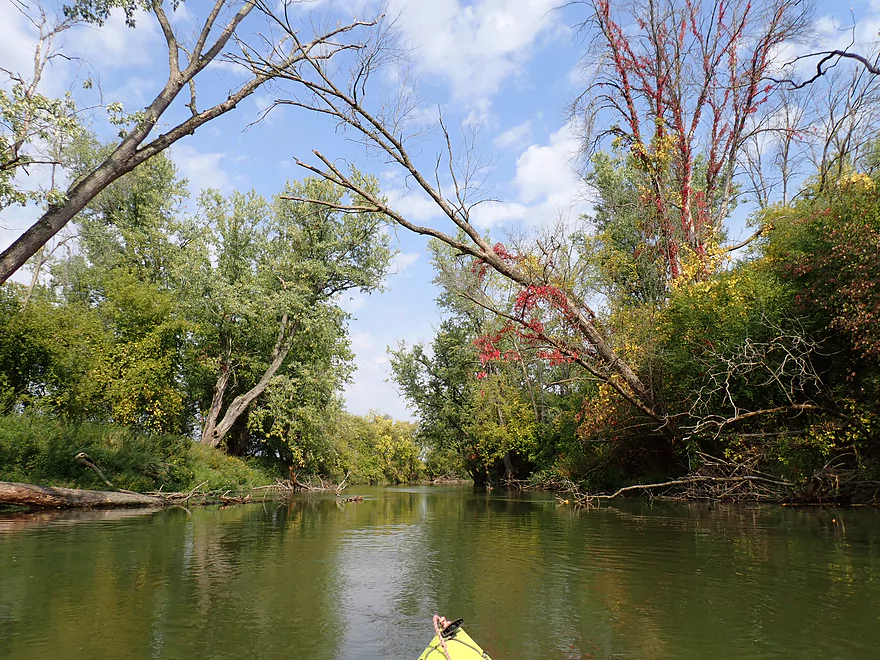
x=439, y=384
x=41, y=450
x=33, y=131
x=627, y=265
x=502, y=421
x=827, y=247
x=707, y=323
x=137, y=326
x=279, y=270
x=98, y=11
x=377, y=449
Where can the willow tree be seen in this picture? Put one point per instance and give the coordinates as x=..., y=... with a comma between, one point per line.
x=263, y=287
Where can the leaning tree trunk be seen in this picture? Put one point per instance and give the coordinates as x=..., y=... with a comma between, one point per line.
x=68, y=498
x=214, y=431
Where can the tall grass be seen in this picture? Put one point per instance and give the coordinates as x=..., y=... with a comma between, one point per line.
x=42, y=450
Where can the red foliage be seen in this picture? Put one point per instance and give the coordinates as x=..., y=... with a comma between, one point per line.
x=529, y=329
x=529, y=298
x=502, y=252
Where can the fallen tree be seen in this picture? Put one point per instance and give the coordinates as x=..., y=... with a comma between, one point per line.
x=720, y=480
x=61, y=498
x=49, y=497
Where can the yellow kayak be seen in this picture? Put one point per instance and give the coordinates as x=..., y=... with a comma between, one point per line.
x=459, y=645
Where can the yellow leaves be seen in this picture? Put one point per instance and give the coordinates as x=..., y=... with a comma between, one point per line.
x=531, y=266
x=700, y=267
x=856, y=182
x=657, y=157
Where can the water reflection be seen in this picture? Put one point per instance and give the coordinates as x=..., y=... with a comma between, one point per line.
x=314, y=578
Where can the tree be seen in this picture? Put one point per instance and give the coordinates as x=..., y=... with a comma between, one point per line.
x=158, y=316
x=131, y=238
x=827, y=248
x=272, y=293
x=439, y=385
x=679, y=82
x=187, y=59
x=34, y=128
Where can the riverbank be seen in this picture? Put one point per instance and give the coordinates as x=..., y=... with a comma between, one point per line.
x=720, y=480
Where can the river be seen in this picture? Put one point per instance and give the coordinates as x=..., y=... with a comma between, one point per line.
x=319, y=580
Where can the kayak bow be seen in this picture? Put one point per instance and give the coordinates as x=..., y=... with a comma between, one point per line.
x=459, y=645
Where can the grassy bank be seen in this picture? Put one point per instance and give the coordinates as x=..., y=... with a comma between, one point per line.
x=41, y=451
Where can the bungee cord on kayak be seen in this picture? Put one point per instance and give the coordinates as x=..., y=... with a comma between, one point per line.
x=440, y=625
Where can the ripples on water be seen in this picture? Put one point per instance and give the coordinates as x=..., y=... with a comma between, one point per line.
x=320, y=580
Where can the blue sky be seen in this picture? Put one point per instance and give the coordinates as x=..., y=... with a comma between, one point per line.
x=504, y=69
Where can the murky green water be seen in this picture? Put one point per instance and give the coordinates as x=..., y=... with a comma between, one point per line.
x=319, y=580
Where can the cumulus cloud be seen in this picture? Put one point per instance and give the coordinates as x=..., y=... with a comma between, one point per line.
x=114, y=45
x=545, y=171
x=545, y=183
x=414, y=205
x=402, y=261
x=492, y=214
x=203, y=170
x=475, y=47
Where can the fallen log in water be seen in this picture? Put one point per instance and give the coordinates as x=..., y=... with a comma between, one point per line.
x=68, y=498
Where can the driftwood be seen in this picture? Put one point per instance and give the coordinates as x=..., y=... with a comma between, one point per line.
x=64, y=498
x=721, y=480
x=294, y=484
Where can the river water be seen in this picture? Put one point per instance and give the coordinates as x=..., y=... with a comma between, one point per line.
x=315, y=579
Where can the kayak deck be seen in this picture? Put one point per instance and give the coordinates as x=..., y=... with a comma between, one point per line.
x=460, y=647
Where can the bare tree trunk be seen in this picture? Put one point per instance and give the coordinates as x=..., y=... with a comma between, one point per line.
x=214, y=432
x=508, y=465
x=58, y=498
x=527, y=380
x=216, y=405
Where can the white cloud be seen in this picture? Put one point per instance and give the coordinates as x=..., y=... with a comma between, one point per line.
x=202, y=169
x=352, y=302
x=362, y=341
x=114, y=45
x=402, y=261
x=545, y=171
x=480, y=114
x=491, y=214
x=136, y=91
x=181, y=15
x=477, y=46
x=17, y=40
x=829, y=33
x=546, y=185
x=414, y=205
x=514, y=137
